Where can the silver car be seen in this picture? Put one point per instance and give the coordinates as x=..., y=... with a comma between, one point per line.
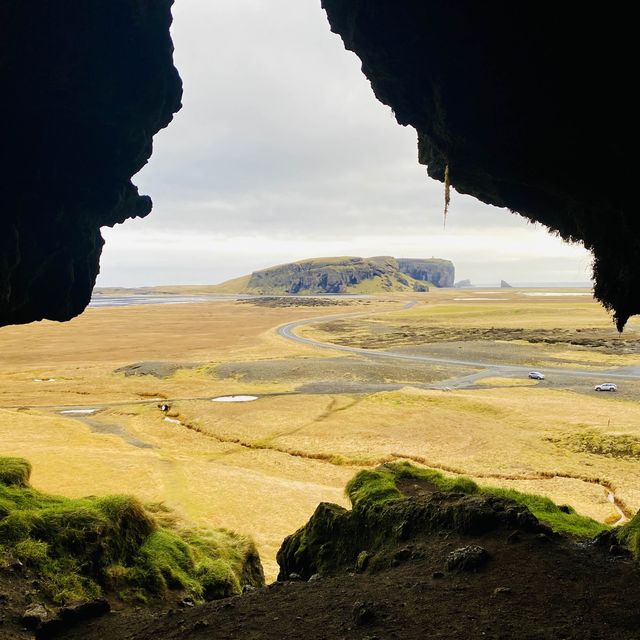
x=606, y=386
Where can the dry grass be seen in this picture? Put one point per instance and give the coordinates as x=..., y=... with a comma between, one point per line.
x=514, y=309
x=496, y=381
x=80, y=355
x=447, y=320
x=262, y=467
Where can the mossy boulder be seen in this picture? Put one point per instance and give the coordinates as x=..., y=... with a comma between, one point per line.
x=384, y=516
x=79, y=549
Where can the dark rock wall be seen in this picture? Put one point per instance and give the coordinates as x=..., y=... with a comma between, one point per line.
x=441, y=273
x=528, y=103
x=85, y=86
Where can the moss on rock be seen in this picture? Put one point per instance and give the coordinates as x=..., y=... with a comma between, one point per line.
x=83, y=547
x=383, y=516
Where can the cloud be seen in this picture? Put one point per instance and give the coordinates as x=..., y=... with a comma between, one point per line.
x=282, y=152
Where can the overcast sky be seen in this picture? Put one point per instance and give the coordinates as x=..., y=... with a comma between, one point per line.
x=282, y=152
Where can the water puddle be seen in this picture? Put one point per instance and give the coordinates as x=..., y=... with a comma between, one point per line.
x=44, y=379
x=85, y=412
x=172, y=420
x=234, y=399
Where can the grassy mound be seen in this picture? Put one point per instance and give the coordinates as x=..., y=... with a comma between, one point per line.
x=382, y=520
x=81, y=548
x=380, y=485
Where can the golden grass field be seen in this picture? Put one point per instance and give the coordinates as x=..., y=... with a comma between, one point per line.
x=262, y=467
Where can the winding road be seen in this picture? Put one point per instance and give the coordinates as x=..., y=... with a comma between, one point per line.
x=487, y=369
x=287, y=331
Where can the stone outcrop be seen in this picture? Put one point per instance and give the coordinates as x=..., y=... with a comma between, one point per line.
x=463, y=284
x=86, y=85
x=440, y=273
x=321, y=275
x=522, y=105
x=334, y=538
x=350, y=275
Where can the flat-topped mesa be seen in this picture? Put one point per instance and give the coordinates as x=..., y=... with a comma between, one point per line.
x=328, y=275
x=523, y=105
x=349, y=274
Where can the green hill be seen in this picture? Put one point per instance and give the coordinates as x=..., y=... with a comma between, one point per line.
x=344, y=274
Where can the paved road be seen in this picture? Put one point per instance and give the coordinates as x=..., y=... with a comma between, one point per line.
x=287, y=331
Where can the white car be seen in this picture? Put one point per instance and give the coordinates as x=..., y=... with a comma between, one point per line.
x=606, y=386
x=536, y=375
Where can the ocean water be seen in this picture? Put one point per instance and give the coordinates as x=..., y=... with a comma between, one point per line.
x=99, y=300
x=534, y=285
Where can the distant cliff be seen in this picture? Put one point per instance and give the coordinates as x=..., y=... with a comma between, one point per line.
x=440, y=273
x=331, y=275
x=346, y=274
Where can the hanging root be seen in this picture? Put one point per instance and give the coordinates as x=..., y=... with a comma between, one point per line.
x=447, y=193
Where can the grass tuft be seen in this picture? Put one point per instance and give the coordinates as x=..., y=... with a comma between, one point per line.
x=372, y=486
x=32, y=551
x=406, y=471
x=14, y=472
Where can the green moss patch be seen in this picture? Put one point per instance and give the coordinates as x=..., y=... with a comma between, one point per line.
x=564, y=520
x=629, y=535
x=81, y=548
x=14, y=472
x=381, y=484
x=369, y=486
